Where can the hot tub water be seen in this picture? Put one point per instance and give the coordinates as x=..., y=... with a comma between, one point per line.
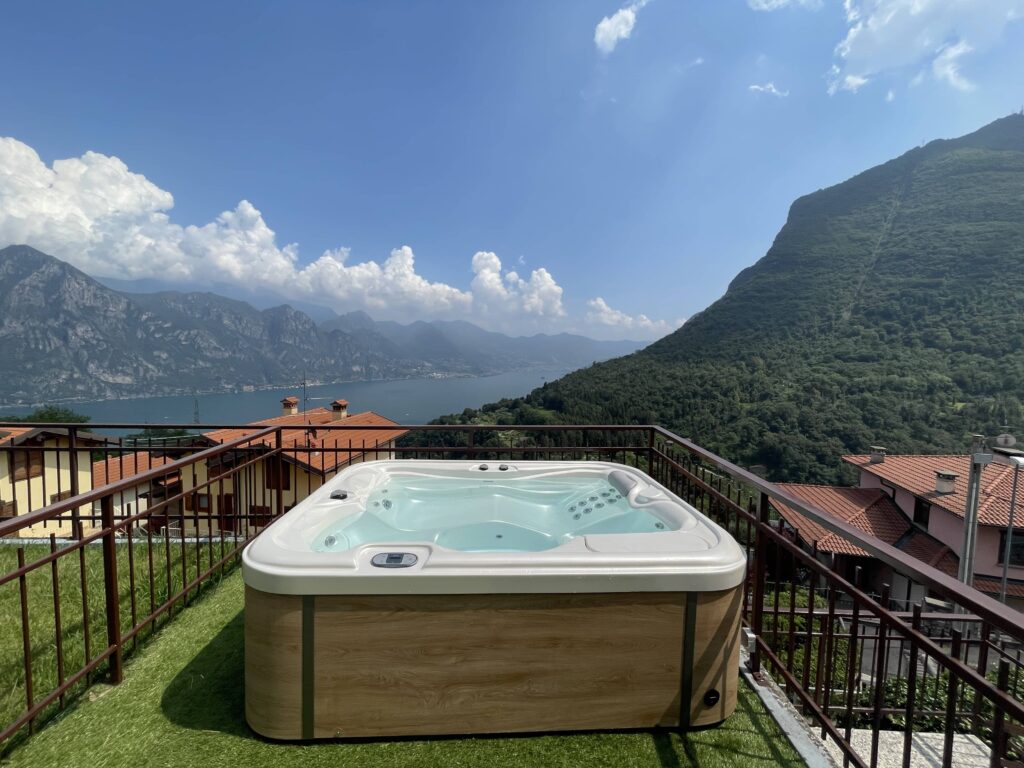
x=527, y=514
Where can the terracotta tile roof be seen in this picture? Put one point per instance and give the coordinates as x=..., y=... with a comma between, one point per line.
x=868, y=509
x=9, y=434
x=917, y=475
x=930, y=550
x=331, y=448
x=992, y=586
x=18, y=435
x=115, y=468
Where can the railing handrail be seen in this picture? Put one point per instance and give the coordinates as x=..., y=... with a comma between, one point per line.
x=988, y=608
x=14, y=524
x=340, y=425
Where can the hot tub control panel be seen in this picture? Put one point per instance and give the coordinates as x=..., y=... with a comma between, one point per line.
x=394, y=560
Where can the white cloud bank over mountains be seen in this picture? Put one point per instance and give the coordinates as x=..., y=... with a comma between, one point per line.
x=600, y=313
x=95, y=213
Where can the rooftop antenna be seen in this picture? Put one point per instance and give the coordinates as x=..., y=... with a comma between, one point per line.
x=304, y=398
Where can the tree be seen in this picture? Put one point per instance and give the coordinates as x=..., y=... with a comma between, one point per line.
x=52, y=414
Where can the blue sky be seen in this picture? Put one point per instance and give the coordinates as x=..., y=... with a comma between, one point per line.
x=619, y=159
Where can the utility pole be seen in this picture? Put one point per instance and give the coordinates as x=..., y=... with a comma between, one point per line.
x=980, y=456
x=1007, y=544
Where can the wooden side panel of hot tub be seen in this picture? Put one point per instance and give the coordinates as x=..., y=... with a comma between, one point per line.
x=273, y=664
x=379, y=666
x=716, y=655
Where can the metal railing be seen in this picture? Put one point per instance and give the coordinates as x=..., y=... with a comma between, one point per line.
x=125, y=557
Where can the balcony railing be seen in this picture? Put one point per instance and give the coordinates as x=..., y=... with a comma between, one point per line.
x=84, y=579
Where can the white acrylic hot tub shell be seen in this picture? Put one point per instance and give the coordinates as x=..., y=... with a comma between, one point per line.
x=698, y=557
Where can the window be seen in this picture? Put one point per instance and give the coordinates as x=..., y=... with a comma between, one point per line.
x=8, y=509
x=27, y=464
x=276, y=472
x=197, y=502
x=221, y=465
x=260, y=515
x=54, y=498
x=1016, y=547
x=922, y=511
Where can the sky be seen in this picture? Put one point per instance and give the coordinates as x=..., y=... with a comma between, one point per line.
x=598, y=167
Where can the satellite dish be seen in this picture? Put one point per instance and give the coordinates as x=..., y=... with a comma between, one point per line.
x=1006, y=440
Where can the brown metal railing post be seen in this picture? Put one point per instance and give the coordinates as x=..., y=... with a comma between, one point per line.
x=650, y=449
x=73, y=468
x=998, y=725
x=111, y=589
x=908, y=728
x=279, y=485
x=760, y=575
x=951, y=703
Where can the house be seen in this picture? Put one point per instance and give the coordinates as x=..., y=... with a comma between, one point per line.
x=311, y=456
x=138, y=498
x=38, y=468
x=917, y=503
x=874, y=512
x=932, y=491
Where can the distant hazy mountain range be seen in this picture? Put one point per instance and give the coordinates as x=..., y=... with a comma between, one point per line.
x=64, y=335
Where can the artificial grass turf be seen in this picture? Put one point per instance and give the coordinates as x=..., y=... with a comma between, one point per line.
x=182, y=704
x=138, y=586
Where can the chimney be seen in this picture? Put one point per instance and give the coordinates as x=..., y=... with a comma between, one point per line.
x=339, y=410
x=945, y=482
x=290, y=406
x=877, y=455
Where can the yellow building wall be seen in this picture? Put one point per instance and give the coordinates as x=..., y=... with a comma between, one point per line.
x=248, y=490
x=35, y=493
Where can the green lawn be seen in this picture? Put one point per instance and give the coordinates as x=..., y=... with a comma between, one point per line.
x=182, y=704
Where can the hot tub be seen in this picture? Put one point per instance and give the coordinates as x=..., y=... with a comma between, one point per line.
x=450, y=597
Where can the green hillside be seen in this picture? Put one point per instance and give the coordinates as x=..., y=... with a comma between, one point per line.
x=889, y=310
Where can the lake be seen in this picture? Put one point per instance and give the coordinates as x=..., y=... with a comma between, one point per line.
x=408, y=401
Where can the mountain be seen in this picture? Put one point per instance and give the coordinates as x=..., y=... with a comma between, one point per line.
x=460, y=344
x=888, y=311
x=64, y=335
x=260, y=299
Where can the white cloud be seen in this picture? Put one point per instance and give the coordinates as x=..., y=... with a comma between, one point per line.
x=769, y=88
x=851, y=83
x=618, y=26
x=495, y=292
x=946, y=66
x=774, y=5
x=599, y=313
x=891, y=95
x=95, y=213
x=893, y=36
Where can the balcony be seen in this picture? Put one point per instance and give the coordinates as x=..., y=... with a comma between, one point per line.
x=143, y=568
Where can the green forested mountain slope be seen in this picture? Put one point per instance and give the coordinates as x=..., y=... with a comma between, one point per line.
x=887, y=311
